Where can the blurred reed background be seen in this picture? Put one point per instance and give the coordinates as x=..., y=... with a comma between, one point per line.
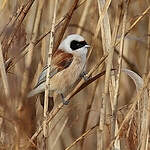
x=109, y=112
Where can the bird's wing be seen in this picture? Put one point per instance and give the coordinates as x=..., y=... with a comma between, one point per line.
x=60, y=61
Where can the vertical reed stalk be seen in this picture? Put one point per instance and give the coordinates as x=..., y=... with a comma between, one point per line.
x=106, y=41
x=47, y=86
x=3, y=73
x=116, y=92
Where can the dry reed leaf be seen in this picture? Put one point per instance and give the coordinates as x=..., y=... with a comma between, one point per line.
x=101, y=23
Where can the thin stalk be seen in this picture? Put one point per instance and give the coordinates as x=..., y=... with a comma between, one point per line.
x=115, y=101
x=102, y=14
x=81, y=137
x=31, y=46
x=106, y=42
x=145, y=104
x=47, y=86
x=60, y=132
x=3, y=73
x=84, y=16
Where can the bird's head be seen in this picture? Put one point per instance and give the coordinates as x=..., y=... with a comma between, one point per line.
x=74, y=43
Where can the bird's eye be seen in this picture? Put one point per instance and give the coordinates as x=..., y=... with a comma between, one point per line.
x=74, y=45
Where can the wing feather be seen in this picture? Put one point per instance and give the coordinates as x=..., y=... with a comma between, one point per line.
x=60, y=61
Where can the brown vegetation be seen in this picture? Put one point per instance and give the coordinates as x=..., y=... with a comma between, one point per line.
x=107, y=111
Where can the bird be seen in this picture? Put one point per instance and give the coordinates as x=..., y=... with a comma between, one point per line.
x=67, y=66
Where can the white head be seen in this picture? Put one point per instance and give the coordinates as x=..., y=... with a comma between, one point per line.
x=74, y=43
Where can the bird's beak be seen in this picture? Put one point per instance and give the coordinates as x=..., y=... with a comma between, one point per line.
x=87, y=46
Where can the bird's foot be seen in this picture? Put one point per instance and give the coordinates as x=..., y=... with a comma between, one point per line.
x=65, y=102
x=84, y=76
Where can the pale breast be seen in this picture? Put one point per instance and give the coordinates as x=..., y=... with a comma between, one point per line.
x=63, y=80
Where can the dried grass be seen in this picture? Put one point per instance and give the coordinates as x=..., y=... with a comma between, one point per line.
x=107, y=111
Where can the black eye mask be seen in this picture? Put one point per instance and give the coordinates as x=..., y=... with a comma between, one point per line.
x=74, y=45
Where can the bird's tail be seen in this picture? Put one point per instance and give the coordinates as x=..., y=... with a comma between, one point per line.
x=34, y=92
